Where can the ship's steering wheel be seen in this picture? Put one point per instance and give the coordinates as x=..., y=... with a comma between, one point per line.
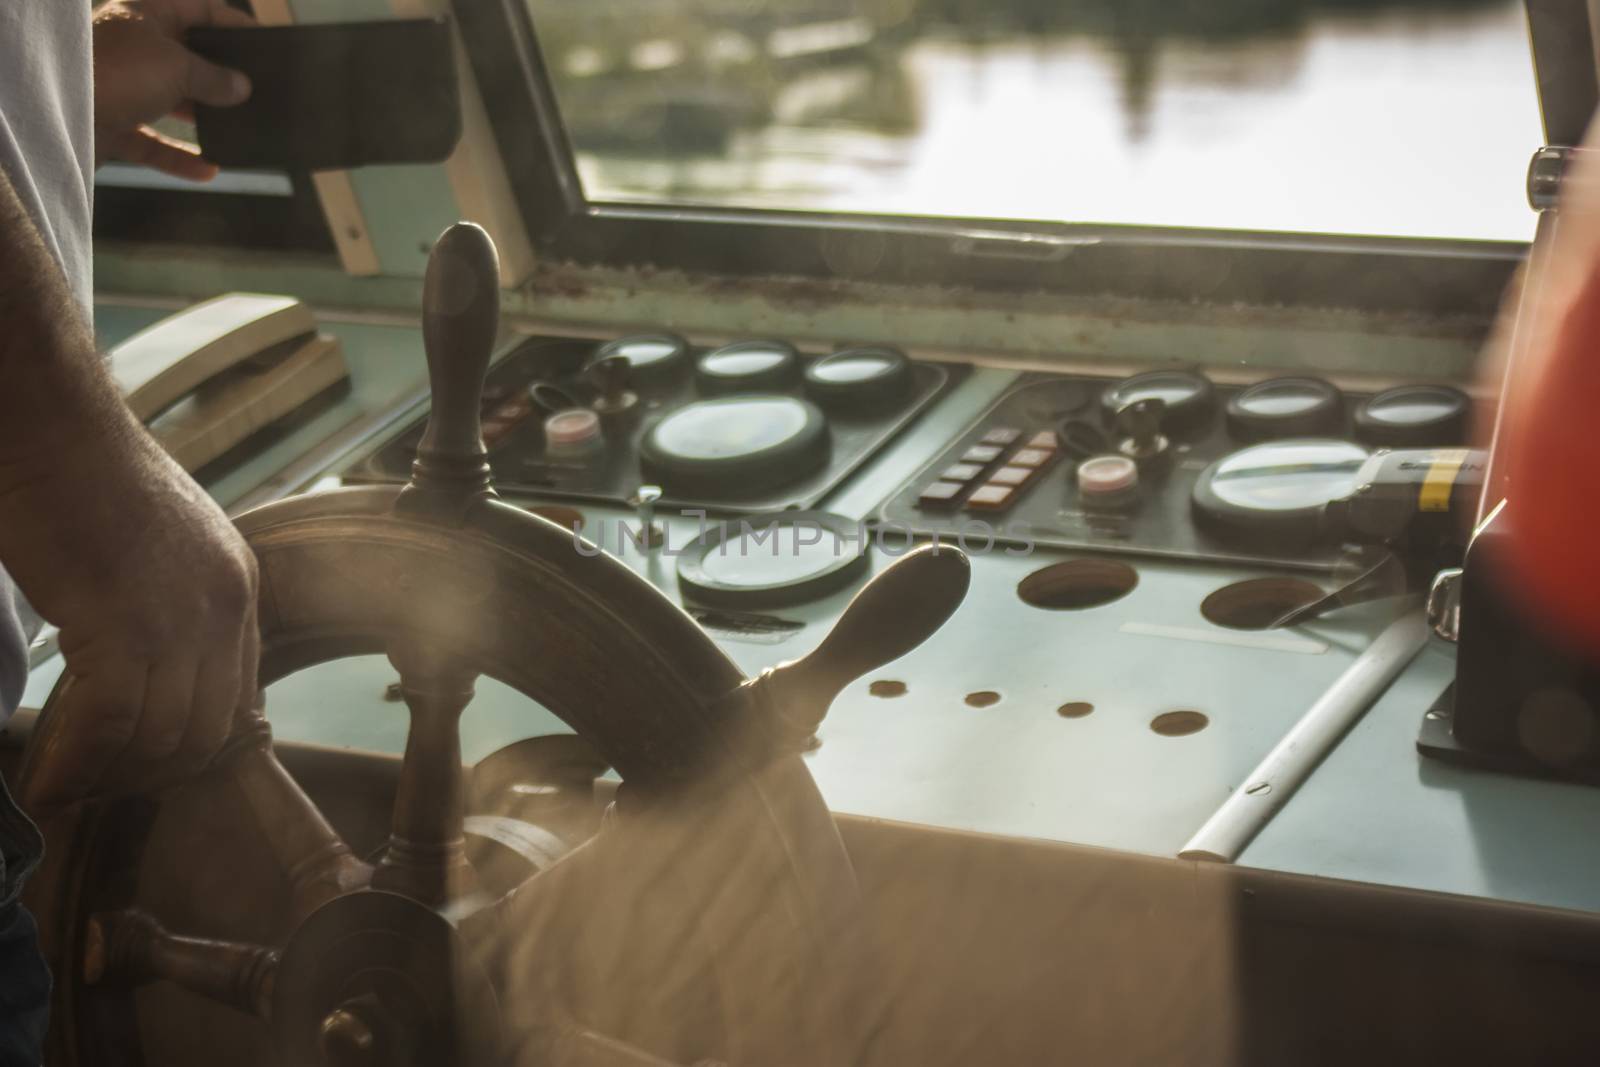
x=714, y=917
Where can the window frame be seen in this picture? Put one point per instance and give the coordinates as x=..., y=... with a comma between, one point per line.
x=1382, y=274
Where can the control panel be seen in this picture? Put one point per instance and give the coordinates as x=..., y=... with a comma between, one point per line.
x=1166, y=463
x=747, y=427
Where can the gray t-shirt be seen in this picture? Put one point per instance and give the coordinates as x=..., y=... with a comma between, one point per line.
x=47, y=153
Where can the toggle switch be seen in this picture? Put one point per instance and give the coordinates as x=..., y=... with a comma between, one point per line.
x=611, y=376
x=1140, y=424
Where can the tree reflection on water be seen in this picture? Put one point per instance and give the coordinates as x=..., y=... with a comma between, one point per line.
x=1138, y=29
x=836, y=103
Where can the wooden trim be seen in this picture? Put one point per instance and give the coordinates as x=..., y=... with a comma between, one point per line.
x=476, y=170
x=346, y=223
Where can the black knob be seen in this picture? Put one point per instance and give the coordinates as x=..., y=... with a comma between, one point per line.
x=1189, y=397
x=611, y=376
x=1140, y=422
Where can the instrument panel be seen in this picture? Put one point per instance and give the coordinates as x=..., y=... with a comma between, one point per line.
x=1167, y=464
x=747, y=427
x=1030, y=714
x=1164, y=463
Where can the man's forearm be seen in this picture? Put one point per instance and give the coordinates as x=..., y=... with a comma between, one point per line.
x=54, y=388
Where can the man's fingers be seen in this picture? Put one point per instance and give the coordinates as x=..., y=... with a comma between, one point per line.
x=99, y=716
x=206, y=83
x=249, y=662
x=216, y=698
x=148, y=148
x=170, y=690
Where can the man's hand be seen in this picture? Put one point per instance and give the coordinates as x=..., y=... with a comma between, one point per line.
x=142, y=72
x=153, y=589
x=154, y=592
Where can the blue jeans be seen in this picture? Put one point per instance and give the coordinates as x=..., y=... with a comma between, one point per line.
x=24, y=978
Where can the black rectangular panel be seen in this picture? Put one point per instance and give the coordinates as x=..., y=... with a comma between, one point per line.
x=333, y=96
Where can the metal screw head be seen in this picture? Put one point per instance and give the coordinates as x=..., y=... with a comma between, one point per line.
x=1258, y=789
x=347, y=1040
x=644, y=503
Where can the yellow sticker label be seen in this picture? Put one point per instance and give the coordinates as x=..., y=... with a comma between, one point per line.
x=1440, y=479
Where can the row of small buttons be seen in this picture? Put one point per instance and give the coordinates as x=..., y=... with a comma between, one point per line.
x=1009, y=476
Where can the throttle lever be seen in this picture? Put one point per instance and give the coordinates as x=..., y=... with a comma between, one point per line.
x=894, y=613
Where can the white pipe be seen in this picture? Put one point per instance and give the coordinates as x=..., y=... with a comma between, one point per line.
x=1274, y=780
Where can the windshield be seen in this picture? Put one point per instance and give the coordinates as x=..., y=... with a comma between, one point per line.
x=1385, y=117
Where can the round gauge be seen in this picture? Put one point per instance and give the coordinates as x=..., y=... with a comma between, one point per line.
x=735, y=445
x=773, y=561
x=1414, y=416
x=1189, y=398
x=748, y=367
x=1277, y=489
x=652, y=357
x=1285, y=407
x=859, y=377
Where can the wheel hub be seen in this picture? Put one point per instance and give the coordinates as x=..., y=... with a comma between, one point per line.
x=375, y=979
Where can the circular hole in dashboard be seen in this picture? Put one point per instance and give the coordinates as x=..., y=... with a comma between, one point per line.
x=1179, y=723
x=1075, y=584
x=1075, y=709
x=983, y=698
x=887, y=688
x=1257, y=603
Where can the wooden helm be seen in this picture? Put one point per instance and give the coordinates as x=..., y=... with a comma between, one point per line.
x=714, y=917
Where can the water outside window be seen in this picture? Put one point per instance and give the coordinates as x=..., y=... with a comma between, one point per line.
x=1393, y=117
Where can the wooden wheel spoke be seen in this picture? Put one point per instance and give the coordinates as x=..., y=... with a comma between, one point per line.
x=313, y=857
x=131, y=948
x=426, y=857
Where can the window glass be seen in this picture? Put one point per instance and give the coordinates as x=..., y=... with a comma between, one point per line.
x=1412, y=118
